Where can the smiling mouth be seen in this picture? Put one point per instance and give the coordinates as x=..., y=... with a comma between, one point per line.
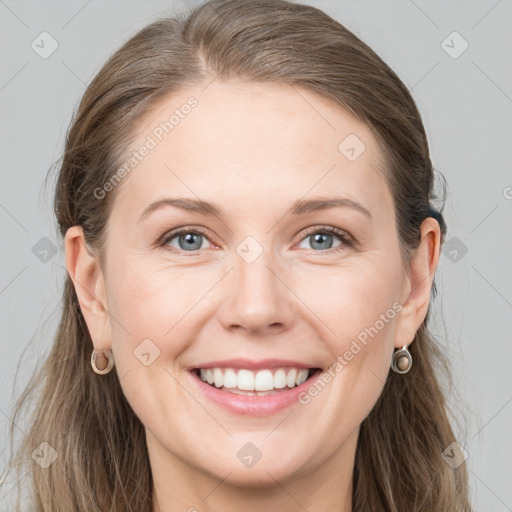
x=255, y=383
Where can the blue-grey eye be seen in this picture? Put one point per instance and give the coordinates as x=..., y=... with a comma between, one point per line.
x=321, y=241
x=187, y=240
x=322, y=238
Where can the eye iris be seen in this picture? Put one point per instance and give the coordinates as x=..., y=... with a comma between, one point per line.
x=318, y=237
x=189, y=239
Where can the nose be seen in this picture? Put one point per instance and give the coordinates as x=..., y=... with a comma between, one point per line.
x=257, y=298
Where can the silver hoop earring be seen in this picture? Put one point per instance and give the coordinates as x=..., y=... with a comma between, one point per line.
x=110, y=364
x=401, y=361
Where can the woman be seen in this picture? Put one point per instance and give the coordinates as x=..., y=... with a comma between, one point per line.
x=245, y=201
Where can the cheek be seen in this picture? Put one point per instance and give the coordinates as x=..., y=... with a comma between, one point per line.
x=150, y=298
x=148, y=306
x=352, y=303
x=360, y=307
x=156, y=310
x=141, y=312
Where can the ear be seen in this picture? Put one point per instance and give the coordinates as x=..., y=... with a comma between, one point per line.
x=415, y=297
x=85, y=272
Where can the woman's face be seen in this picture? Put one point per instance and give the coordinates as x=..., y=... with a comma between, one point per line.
x=263, y=282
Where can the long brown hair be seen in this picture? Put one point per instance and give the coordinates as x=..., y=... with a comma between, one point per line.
x=102, y=462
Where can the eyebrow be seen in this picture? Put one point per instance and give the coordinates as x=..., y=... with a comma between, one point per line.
x=300, y=207
x=322, y=203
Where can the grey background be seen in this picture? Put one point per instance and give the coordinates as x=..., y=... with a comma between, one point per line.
x=466, y=104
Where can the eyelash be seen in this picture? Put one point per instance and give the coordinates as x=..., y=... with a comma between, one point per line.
x=347, y=240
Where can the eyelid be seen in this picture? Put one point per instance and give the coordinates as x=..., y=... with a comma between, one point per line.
x=340, y=233
x=168, y=235
x=347, y=240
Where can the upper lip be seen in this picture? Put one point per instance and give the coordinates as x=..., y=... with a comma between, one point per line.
x=252, y=365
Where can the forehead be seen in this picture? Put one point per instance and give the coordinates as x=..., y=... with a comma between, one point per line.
x=244, y=143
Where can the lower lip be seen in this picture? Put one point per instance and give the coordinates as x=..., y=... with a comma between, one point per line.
x=254, y=405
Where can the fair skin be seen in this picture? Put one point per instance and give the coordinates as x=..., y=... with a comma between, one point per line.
x=252, y=150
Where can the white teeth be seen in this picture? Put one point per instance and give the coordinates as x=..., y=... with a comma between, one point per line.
x=280, y=379
x=217, y=377
x=291, y=378
x=230, y=379
x=245, y=380
x=302, y=376
x=260, y=381
x=264, y=381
